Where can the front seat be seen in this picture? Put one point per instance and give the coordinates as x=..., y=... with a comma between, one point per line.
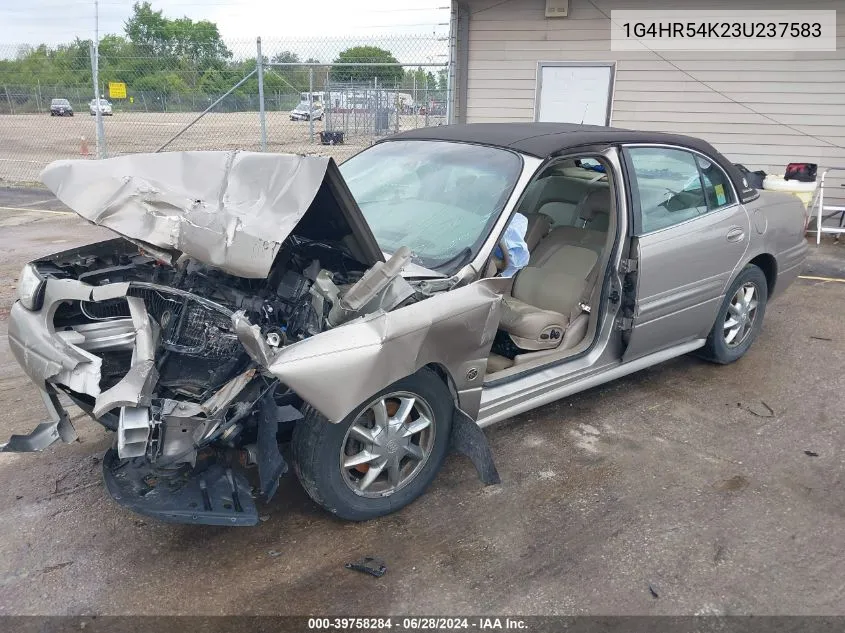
x=547, y=298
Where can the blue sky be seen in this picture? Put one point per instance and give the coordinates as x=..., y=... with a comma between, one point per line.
x=56, y=21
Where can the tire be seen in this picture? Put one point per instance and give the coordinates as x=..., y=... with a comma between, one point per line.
x=717, y=349
x=318, y=448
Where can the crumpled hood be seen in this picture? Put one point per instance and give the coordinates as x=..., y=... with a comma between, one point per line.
x=231, y=210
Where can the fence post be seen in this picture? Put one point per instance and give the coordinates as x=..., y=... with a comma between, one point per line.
x=261, y=113
x=9, y=99
x=427, y=100
x=101, y=133
x=377, y=103
x=311, y=102
x=397, y=105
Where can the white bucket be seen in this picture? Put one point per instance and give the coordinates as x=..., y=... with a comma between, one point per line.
x=802, y=190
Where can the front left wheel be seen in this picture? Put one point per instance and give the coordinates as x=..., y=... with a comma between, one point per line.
x=383, y=455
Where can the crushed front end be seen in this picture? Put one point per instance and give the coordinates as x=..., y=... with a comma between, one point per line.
x=150, y=350
x=243, y=287
x=141, y=331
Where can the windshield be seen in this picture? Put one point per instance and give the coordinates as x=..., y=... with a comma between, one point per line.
x=303, y=105
x=439, y=199
x=60, y=102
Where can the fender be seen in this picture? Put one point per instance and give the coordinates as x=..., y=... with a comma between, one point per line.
x=337, y=370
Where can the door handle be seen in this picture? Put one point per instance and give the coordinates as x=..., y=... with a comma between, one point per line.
x=736, y=234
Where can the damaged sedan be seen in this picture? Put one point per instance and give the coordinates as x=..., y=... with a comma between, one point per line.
x=376, y=316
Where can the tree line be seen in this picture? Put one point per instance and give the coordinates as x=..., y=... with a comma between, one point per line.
x=181, y=57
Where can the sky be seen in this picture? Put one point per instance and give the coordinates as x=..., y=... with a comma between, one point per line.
x=239, y=21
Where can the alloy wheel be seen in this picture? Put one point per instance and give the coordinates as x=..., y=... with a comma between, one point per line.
x=387, y=445
x=741, y=315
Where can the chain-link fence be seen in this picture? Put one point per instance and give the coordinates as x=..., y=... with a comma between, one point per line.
x=331, y=97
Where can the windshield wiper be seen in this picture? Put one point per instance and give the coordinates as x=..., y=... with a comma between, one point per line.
x=455, y=262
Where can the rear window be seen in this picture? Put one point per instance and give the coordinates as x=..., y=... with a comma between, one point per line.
x=63, y=102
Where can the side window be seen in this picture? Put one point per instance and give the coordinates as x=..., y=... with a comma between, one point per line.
x=717, y=189
x=669, y=186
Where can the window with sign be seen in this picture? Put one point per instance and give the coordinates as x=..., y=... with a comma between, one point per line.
x=717, y=188
x=674, y=186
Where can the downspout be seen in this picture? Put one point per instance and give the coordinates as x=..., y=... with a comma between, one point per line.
x=460, y=22
x=450, y=69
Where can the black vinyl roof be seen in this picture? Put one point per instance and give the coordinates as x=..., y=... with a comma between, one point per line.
x=547, y=139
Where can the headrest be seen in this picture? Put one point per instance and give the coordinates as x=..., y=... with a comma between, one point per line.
x=596, y=201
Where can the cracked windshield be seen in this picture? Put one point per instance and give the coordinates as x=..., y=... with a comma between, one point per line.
x=439, y=199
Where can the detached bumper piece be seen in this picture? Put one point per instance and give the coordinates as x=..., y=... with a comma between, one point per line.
x=45, y=434
x=215, y=496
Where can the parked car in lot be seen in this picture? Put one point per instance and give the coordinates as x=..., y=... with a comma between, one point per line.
x=360, y=312
x=306, y=111
x=103, y=105
x=60, y=107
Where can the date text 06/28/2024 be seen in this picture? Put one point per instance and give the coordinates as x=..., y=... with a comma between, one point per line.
x=417, y=624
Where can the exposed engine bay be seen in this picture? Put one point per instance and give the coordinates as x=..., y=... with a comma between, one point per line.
x=229, y=302
x=175, y=382
x=202, y=367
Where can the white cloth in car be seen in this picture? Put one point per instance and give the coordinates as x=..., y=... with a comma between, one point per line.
x=514, y=243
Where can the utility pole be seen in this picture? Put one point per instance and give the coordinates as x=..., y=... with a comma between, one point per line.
x=95, y=70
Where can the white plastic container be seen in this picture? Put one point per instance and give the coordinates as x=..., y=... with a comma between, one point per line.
x=802, y=190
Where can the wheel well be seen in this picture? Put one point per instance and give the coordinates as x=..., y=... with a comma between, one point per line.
x=441, y=372
x=769, y=266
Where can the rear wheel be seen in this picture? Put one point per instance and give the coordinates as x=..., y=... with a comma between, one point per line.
x=740, y=317
x=383, y=455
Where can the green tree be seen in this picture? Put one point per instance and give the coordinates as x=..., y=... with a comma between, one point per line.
x=147, y=30
x=442, y=80
x=154, y=35
x=285, y=57
x=386, y=75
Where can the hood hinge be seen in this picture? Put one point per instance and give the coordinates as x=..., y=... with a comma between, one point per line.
x=433, y=286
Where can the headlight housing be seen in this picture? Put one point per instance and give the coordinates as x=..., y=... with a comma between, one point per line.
x=31, y=288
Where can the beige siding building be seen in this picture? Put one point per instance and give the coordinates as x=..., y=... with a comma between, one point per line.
x=763, y=109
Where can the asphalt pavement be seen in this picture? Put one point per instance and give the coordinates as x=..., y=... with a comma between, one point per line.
x=685, y=488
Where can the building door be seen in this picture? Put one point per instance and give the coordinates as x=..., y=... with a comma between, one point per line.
x=576, y=92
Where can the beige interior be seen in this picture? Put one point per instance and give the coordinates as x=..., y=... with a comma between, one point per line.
x=570, y=215
x=545, y=296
